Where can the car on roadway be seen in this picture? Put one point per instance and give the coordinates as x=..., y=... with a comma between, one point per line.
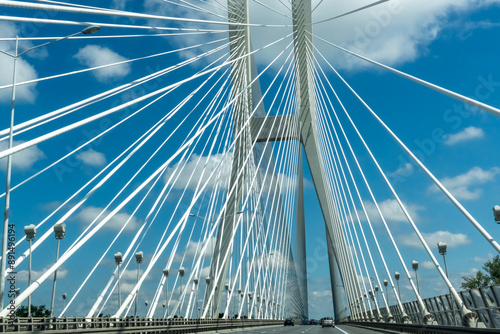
x=312, y=322
x=328, y=322
x=288, y=322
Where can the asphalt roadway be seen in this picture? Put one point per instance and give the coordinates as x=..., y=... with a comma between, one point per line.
x=308, y=329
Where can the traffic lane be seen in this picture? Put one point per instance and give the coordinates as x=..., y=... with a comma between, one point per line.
x=308, y=329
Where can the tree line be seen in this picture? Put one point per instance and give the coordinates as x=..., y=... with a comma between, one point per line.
x=490, y=276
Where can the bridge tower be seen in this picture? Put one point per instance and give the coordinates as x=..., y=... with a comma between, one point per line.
x=246, y=92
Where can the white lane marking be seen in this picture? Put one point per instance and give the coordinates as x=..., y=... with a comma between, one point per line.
x=340, y=329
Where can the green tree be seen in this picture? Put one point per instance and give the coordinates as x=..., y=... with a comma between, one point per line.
x=476, y=282
x=492, y=267
x=491, y=275
x=36, y=311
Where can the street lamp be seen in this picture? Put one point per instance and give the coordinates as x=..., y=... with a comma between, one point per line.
x=226, y=286
x=207, y=280
x=30, y=232
x=181, y=274
x=496, y=213
x=86, y=31
x=64, y=296
x=165, y=273
x=396, y=276
x=195, y=281
x=248, y=304
x=60, y=232
x=442, y=250
x=414, y=265
x=385, y=284
x=118, y=261
x=139, y=257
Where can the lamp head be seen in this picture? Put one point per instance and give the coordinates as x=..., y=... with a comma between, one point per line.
x=118, y=258
x=91, y=30
x=165, y=272
x=139, y=257
x=181, y=271
x=195, y=280
x=30, y=231
x=60, y=230
x=396, y=275
x=386, y=283
x=496, y=213
x=442, y=248
x=414, y=264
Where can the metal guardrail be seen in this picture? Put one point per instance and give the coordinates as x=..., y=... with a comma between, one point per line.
x=422, y=329
x=125, y=325
x=485, y=302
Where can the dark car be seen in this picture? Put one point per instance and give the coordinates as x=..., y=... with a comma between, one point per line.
x=312, y=322
x=288, y=322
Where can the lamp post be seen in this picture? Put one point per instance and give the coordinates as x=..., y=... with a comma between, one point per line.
x=496, y=213
x=385, y=284
x=139, y=257
x=442, y=250
x=239, y=300
x=226, y=287
x=60, y=232
x=265, y=307
x=15, y=56
x=118, y=261
x=248, y=304
x=259, y=306
x=30, y=232
x=64, y=296
x=181, y=274
x=195, y=281
x=207, y=280
x=376, y=292
x=165, y=273
x=414, y=265
x=396, y=276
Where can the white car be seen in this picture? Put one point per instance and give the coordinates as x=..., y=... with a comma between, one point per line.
x=328, y=322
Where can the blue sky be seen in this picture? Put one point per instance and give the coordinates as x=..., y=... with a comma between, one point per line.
x=450, y=43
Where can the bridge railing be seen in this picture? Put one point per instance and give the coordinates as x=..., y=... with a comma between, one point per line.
x=145, y=325
x=485, y=302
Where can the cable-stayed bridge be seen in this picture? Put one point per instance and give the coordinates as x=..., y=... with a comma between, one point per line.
x=176, y=150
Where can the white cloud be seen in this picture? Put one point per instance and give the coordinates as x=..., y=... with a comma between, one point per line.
x=483, y=259
x=88, y=214
x=465, y=135
x=92, y=158
x=391, y=211
x=275, y=259
x=465, y=186
x=95, y=55
x=403, y=171
x=193, y=248
x=22, y=160
x=22, y=276
x=24, y=71
x=394, y=32
x=200, y=167
x=427, y=265
x=322, y=293
x=452, y=240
